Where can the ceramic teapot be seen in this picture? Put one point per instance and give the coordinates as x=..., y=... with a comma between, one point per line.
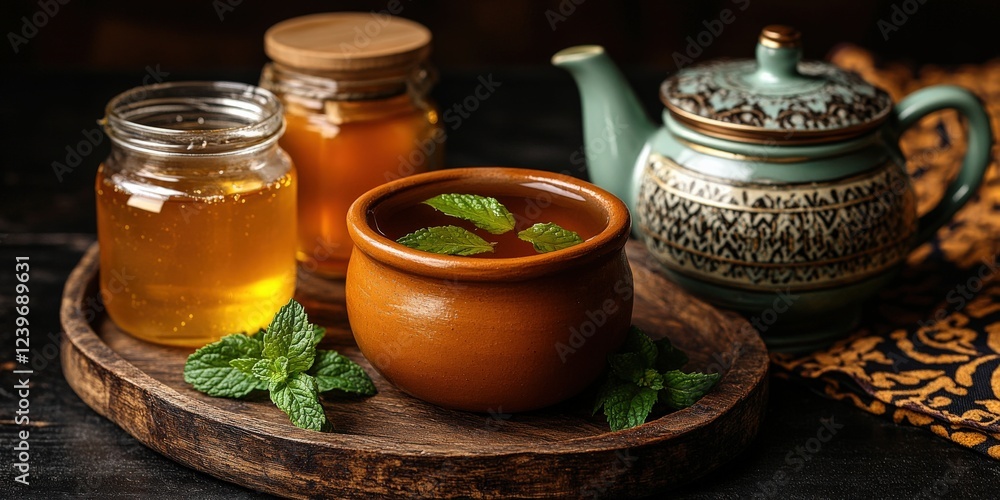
x=776, y=186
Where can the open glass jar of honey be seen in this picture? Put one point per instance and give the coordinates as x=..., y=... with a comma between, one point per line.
x=355, y=90
x=195, y=212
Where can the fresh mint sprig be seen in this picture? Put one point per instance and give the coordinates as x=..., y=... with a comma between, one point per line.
x=488, y=214
x=282, y=360
x=643, y=373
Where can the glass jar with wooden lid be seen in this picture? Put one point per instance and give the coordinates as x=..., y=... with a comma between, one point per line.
x=355, y=87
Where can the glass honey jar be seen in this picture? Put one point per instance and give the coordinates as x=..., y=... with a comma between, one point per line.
x=355, y=91
x=195, y=212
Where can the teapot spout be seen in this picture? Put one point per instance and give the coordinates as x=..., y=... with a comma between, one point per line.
x=615, y=127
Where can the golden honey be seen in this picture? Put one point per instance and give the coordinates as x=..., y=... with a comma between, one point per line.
x=338, y=163
x=357, y=116
x=197, y=233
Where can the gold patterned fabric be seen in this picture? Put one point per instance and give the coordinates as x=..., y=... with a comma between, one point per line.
x=928, y=353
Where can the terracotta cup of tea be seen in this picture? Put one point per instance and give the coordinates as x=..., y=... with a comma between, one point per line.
x=510, y=331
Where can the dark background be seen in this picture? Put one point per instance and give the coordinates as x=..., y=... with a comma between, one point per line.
x=56, y=85
x=189, y=35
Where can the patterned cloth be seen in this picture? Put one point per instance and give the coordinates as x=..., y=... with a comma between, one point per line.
x=929, y=352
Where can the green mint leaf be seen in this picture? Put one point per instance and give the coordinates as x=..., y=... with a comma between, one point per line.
x=549, y=237
x=209, y=370
x=627, y=366
x=485, y=212
x=274, y=359
x=652, y=379
x=669, y=357
x=245, y=365
x=681, y=390
x=638, y=342
x=299, y=399
x=448, y=240
x=272, y=370
x=335, y=371
x=262, y=370
x=627, y=405
x=602, y=394
x=291, y=335
x=318, y=333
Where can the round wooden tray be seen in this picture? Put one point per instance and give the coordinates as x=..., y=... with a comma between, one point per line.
x=394, y=445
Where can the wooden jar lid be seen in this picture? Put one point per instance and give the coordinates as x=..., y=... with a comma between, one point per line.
x=348, y=41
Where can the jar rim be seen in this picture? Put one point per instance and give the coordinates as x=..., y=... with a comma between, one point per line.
x=366, y=239
x=315, y=87
x=194, y=118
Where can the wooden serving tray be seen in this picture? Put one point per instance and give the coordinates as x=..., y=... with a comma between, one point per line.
x=395, y=445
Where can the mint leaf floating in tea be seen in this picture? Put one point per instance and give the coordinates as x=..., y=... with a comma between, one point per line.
x=485, y=212
x=283, y=360
x=643, y=373
x=448, y=240
x=549, y=237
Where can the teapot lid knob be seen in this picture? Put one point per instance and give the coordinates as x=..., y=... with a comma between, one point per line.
x=779, y=36
x=779, y=51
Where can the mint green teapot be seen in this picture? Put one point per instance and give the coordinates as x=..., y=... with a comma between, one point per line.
x=776, y=186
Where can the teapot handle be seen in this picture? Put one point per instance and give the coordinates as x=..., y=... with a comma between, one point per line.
x=977, y=157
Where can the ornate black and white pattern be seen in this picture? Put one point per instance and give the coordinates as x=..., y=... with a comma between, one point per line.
x=835, y=99
x=776, y=236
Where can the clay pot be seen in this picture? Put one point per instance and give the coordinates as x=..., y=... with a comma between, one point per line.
x=489, y=334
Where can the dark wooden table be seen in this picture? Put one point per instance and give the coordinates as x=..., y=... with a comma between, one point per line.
x=532, y=120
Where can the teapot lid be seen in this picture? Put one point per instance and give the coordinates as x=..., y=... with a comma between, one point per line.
x=777, y=98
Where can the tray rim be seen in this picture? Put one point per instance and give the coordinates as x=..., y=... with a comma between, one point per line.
x=748, y=371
